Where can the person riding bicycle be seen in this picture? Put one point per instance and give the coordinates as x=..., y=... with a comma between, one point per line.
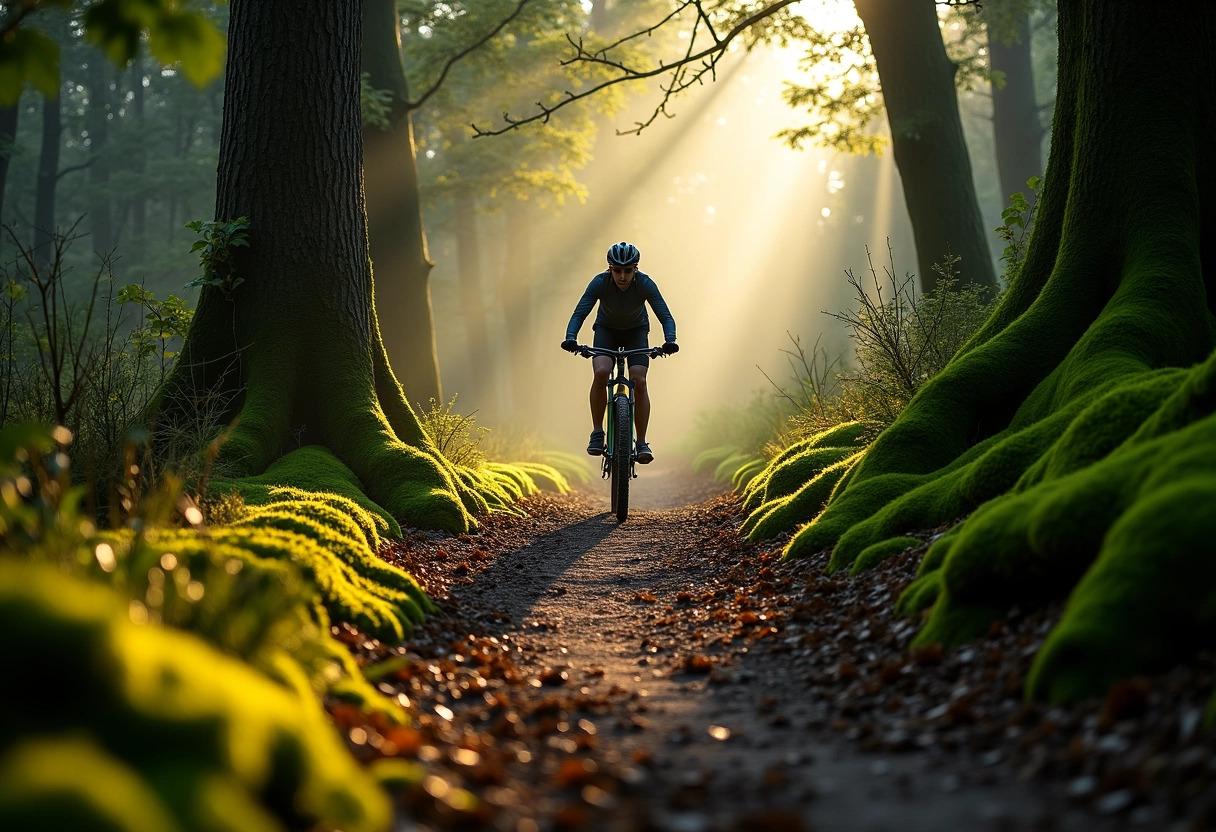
x=622, y=292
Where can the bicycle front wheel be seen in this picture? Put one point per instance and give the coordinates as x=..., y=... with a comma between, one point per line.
x=621, y=473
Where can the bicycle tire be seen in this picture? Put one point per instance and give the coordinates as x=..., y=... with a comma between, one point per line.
x=609, y=453
x=621, y=461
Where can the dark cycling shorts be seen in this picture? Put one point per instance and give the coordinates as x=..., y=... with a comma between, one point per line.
x=635, y=338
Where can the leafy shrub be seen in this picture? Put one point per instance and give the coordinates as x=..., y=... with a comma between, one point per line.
x=456, y=436
x=901, y=338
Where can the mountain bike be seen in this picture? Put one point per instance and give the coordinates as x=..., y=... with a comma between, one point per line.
x=620, y=458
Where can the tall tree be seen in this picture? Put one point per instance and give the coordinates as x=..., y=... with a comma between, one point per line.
x=288, y=330
x=927, y=137
x=1017, y=131
x=1077, y=429
x=394, y=210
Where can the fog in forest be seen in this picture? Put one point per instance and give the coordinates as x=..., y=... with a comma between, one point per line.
x=747, y=239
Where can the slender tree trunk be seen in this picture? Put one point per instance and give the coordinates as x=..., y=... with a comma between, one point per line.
x=101, y=220
x=473, y=301
x=8, y=138
x=48, y=178
x=394, y=210
x=1016, y=128
x=297, y=345
x=927, y=137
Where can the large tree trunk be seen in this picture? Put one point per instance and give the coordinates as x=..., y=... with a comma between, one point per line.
x=297, y=342
x=927, y=137
x=394, y=211
x=1017, y=133
x=1078, y=427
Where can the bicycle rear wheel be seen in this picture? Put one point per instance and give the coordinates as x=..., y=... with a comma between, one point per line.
x=622, y=458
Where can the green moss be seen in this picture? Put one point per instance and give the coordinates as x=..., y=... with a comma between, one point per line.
x=522, y=479
x=791, y=474
x=546, y=477
x=847, y=434
x=1150, y=598
x=311, y=470
x=170, y=727
x=787, y=513
x=57, y=783
x=744, y=474
x=920, y=595
x=878, y=552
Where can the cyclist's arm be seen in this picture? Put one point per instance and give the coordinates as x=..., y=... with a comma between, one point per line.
x=585, y=304
x=661, y=311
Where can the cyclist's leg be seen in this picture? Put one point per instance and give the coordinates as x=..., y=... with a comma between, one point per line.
x=641, y=401
x=639, y=339
x=602, y=368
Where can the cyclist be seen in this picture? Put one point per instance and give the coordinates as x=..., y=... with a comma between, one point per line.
x=622, y=292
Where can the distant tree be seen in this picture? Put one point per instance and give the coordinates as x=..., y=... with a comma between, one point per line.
x=394, y=209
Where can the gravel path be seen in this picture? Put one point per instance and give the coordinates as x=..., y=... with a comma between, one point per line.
x=661, y=674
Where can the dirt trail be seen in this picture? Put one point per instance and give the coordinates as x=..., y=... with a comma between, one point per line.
x=665, y=675
x=738, y=748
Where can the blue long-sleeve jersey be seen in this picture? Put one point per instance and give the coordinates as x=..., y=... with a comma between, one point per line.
x=622, y=309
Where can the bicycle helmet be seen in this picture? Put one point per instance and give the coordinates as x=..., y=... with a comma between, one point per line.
x=623, y=254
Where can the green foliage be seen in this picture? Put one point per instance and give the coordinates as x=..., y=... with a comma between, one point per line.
x=175, y=35
x=456, y=436
x=1014, y=230
x=902, y=339
x=219, y=238
x=374, y=105
x=91, y=364
x=28, y=55
x=173, y=734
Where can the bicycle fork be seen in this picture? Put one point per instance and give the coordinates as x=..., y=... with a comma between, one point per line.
x=614, y=391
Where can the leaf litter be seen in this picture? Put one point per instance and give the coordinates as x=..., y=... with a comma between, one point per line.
x=510, y=730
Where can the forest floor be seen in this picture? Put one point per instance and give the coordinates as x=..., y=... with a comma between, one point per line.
x=663, y=674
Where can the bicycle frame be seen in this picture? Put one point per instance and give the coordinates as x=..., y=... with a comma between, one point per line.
x=620, y=457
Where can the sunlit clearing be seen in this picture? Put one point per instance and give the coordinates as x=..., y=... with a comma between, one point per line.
x=747, y=239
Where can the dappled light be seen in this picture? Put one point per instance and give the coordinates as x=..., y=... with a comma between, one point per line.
x=891, y=322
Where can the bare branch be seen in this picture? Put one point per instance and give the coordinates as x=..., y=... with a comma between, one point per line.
x=414, y=105
x=682, y=73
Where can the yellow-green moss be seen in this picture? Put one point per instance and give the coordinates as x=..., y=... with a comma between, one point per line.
x=786, y=513
x=170, y=727
x=311, y=471
x=876, y=553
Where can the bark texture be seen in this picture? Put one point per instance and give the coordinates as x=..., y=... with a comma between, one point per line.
x=297, y=344
x=1076, y=432
x=927, y=137
x=1017, y=131
x=394, y=210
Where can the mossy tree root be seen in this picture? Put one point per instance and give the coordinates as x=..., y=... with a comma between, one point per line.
x=787, y=513
x=173, y=734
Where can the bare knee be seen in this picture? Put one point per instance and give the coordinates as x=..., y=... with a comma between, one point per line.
x=639, y=380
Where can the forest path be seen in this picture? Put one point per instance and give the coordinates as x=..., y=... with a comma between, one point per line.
x=700, y=726
x=663, y=674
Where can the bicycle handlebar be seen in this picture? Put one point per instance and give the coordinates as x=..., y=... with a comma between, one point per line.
x=590, y=352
